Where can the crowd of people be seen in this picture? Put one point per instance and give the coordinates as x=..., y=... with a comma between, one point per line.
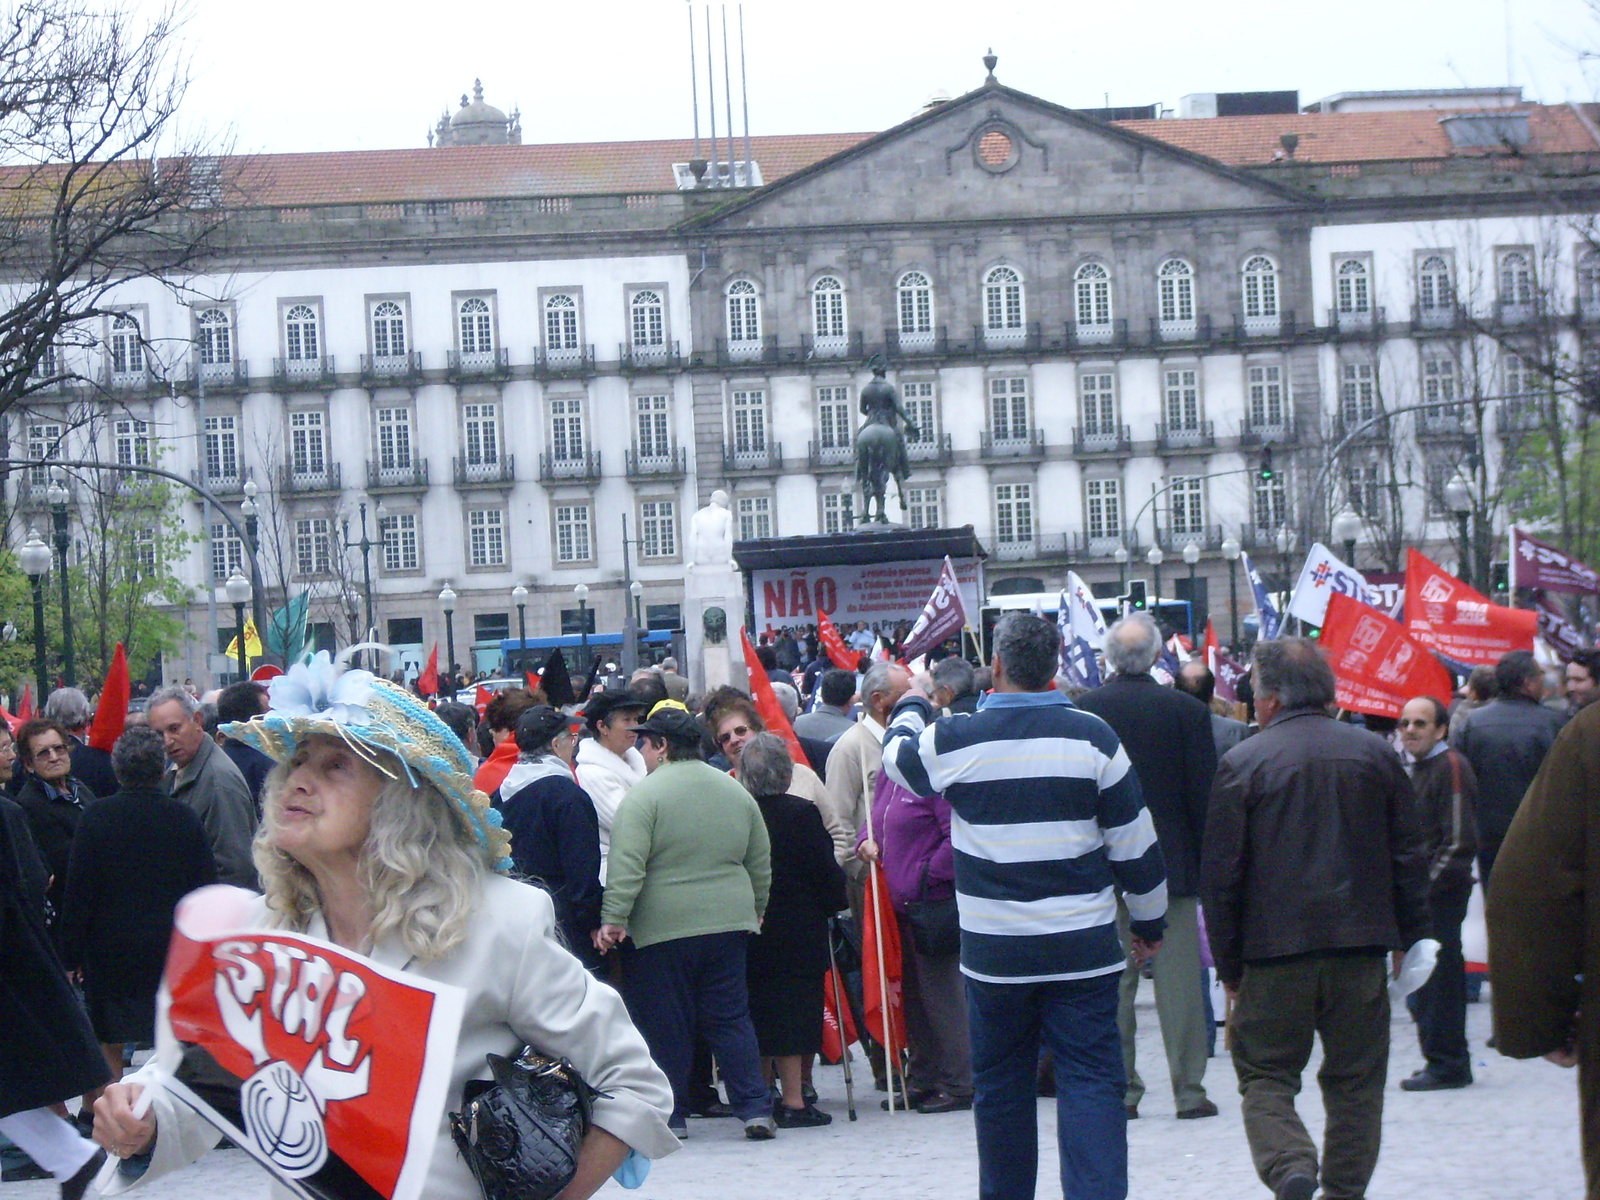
x=1044, y=848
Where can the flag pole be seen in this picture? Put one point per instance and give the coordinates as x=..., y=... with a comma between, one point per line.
x=839, y=1009
x=891, y=1059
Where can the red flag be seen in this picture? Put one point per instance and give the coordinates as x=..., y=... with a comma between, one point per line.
x=838, y=653
x=25, y=709
x=767, y=701
x=1446, y=615
x=1211, y=647
x=878, y=923
x=532, y=679
x=111, y=714
x=838, y=1027
x=1377, y=666
x=428, y=681
x=481, y=698
x=497, y=766
x=13, y=723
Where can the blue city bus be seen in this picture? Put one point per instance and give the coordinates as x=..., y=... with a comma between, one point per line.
x=531, y=655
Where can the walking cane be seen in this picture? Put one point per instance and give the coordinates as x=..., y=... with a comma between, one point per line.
x=840, y=1007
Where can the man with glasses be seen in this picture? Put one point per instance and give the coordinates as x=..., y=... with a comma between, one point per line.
x=1447, y=792
x=52, y=799
x=205, y=779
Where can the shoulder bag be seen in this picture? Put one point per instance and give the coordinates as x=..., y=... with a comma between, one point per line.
x=935, y=924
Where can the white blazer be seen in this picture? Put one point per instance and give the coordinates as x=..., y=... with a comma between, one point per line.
x=606, y=777
x=522, y=988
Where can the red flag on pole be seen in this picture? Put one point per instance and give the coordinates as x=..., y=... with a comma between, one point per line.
x=839, y=654
x=1377, y=666
x=767, y=701
x=25, y=709
x=428, y=681
x=1446, y=615
x=111, y=714
x=1211, y=647
x=838, y=1027
x=481, y=698
x=532, y=679
x=880, y=949
x=13, y=722
x=492, y=773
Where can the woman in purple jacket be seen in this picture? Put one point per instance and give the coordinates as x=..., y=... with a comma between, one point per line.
x=912, y=840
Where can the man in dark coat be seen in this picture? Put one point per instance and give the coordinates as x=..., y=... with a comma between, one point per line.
x=1168, y=738
x=245, y=701
x=1506, y=741
x=47, y=1050
x=90, y=766
x=136, y=854
x=1313, y=868
x=1543, y=916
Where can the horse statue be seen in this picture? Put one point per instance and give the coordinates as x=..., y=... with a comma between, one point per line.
x=880, y=444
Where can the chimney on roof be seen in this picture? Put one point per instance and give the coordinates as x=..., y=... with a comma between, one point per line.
x=989, y=61
x=1289, y=141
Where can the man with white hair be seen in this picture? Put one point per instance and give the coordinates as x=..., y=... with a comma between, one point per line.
x=205, y=779
x=90, y=767
x=1167, y=735
x=857, y=753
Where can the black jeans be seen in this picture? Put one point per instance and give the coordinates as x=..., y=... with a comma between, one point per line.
x=696, y=985
x=1441, y=1007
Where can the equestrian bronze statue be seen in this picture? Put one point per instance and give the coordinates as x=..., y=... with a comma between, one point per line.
x=880, y=444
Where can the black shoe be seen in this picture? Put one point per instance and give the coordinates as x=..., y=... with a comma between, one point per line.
x=943, y=1102
x=809, y=1117
x=24, y=1173
x=678, y=1128
x=83, y=1121
x=808, y=1093
x=1426, y=1080
x=74, y=1188
x=715, y=1109
x=760, y=1129
x=1296, y=1187
x=1133, y=1112
x=918, y=1095
x=1204, y=1109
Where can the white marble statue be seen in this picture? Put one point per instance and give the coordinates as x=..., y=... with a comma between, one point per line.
x=711, y=535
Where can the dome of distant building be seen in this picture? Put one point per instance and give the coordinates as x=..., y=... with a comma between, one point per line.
x=477, y=123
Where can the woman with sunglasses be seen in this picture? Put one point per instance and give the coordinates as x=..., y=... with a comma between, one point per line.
x=52, y=799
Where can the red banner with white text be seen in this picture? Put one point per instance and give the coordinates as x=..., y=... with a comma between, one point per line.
x=1377, y=667
x=1446, y=615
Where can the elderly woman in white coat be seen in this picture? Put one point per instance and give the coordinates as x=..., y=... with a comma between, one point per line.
x=373, y=837
x=607, y=762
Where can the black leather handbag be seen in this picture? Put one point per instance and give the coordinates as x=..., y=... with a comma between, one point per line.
x=521, y=1132
x=935, y=924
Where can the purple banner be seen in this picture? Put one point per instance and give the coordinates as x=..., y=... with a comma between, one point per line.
x=1565, y=638
x=1536, y=564
x=943, y=616
x=1229, y=673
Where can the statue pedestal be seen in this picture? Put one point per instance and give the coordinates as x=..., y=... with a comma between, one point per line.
x=708, y=587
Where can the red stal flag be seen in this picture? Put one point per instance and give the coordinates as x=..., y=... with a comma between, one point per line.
x=766, y=699
x=1446, y=615
x=881, y=996
x=1377, y=667
x=839, y=654
x=111, y=713
x=428, y=681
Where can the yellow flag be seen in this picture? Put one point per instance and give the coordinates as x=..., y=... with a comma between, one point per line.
x=252, y=642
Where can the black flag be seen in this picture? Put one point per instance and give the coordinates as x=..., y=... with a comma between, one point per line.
x=556, y=681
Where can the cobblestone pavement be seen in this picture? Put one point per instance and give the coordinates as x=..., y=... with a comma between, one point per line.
x=1511, y=1136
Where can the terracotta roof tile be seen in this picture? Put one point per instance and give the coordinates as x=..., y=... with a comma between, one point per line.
x=462, y=172
x=1353, y=137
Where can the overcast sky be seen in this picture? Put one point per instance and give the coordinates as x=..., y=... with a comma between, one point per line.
x=302, y=75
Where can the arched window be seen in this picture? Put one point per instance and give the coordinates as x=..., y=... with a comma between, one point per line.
x=215, y=337
x=388, y=330
x=1260, y=287
x=648, y=320
x=1092, y=285
x=560, y=324
x=1516, y=279
x=1003, y=310
x=1175, y=281
x=127, y=347
x=1354, y=286
x=1589, y=280
x=744, y=313
x=827, y=310
x=1435, y=290
x=300, y=335
x=477, y=326
x=915, y=293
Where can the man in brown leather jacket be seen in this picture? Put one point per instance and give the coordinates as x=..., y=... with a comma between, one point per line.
x=1313, y=868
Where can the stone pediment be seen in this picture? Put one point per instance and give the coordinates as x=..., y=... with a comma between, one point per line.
x=999, y=154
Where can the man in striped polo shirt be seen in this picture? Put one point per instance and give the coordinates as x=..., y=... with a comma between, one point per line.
x=1047, y=826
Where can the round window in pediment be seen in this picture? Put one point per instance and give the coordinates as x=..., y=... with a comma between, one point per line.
x=996, y=150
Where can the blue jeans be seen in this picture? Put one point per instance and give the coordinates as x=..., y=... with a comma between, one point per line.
x=1077, y=1020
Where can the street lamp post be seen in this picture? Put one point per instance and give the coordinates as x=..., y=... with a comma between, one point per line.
x=519, y=597
x=251, y=512
x=447, y=602
x=1346, y=528
x=1155, y=558
x=1121, y=556
x=1191, y=555
x=1231, y=551
x=1284, y=542
x=34, y=559
x=58, y=495
x=636, y=590
x=365, y=545
x=238, y=591
x=1458, y=499
x=582, y=593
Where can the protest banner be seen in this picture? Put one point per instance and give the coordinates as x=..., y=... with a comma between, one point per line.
x=1536, y=564
x=1377, y=666
x=1266, y=614
x=1083, y=631
x=879, y=593
x=1446, y=615
x=944, y=616
x=1324, y=575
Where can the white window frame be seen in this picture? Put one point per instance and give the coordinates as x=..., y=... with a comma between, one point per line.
x=308, y=442
x=401, y=538
x=925, y=506
x=749, y=424
x=126, y=347
x=1175, y=298
x=227, y=552
x=1180, y=400
x=1436, y=289
x=563, y=325
x=1186, y=506
x=647, y=322
x=1515, y=279
x=302, y=338
x=390, y=328
x=658, y=528
x=1352, y=288
x=1102, y=508
x=1014, y=523
x=213, y=334
x=1270, y=502
x=1267, y=396
x=652, y=427
x=396, y=441
x=1097, y=406
x=830, y=328
x=44, y=442
x=1010, y=414
x=486, y=538
x=1091, y=286
x=568, y=429
x=742, y=305
x=221, y=448
x=835, y=422
x=1358, y=392
x=475, y=330
x=480, y=434
x=572, y=523
x=132, y=442
x=838, y=510
x=914, y=307
x=756, y=517
x=1005, y=304
x=313, y=547
x=1259, y=278
x=920, y=399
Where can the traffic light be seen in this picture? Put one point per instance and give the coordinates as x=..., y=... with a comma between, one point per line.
x=1137, y=597
x=1265, y=472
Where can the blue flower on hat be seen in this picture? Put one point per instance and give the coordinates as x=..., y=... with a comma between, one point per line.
x=321, y=688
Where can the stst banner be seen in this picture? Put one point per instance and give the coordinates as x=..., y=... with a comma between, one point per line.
x=1536, y=564
x=944, y=616
x=329, y=1069
x=1377, y=667
x=1324, y=575
x=1446, y=615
